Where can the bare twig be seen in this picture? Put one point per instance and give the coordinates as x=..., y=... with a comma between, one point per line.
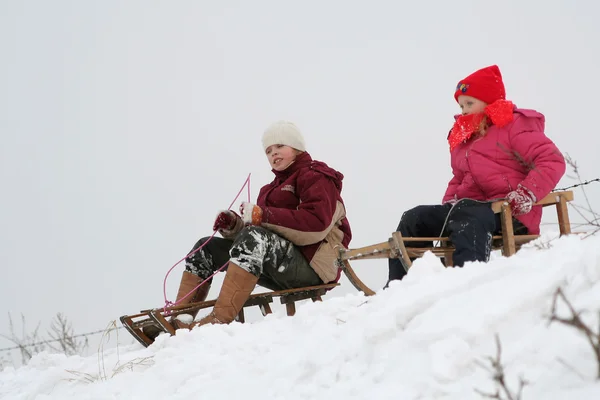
x=576, y=322
x=82, y=377
x=528, y=164
x=498, y=375
x=27, y=343
x=571, y=368
x=61, y=332
x=143, y=361
x=586, y=212
x=4, y=363
x=118, y=368
x=543, y=245
x=62, y=339
x=112, y=325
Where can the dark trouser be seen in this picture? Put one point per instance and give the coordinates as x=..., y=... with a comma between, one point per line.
x=276, y=261
x=469, y=225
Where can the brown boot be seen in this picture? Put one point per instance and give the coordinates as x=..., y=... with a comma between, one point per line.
x=188, y=282
x=237, y=287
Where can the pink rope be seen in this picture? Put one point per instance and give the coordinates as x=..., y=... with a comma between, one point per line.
x=170, y=303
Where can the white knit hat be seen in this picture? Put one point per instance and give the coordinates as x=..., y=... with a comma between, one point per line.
x=283, y=132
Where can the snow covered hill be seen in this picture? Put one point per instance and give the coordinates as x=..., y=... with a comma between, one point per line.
x=427, y=337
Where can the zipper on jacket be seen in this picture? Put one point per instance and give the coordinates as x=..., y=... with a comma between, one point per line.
x=471, y=169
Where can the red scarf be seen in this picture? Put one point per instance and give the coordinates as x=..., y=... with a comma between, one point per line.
x=499, y=113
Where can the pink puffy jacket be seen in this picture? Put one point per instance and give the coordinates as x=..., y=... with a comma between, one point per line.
x=488, y=167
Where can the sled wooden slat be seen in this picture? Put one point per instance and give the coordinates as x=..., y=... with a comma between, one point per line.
x=408, y=240
x=265, y=299
x=551, y=199
x=182, y=307
x=293, y=297
x=383, y=250
x=379, y=250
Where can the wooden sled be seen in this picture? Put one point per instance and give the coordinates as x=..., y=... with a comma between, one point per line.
x=158, y=317
x=509, y=243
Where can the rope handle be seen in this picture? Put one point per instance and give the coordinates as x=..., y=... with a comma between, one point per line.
x=169, y=303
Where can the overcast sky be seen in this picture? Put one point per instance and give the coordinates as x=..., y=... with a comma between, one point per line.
x=126, y=125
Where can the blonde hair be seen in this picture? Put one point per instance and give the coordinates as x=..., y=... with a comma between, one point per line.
x=483, y=125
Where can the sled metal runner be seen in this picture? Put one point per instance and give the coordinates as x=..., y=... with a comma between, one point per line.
x=395, y=247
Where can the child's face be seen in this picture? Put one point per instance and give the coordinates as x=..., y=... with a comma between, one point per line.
x=281, y=156
x=470, y=105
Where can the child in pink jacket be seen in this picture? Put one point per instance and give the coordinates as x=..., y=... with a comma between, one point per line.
x=498, y=151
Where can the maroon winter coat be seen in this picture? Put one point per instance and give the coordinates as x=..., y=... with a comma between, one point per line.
x=304, y=205
x=489, y=167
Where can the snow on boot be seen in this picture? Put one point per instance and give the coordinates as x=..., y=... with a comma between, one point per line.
x=237, y=287
x=184, y=320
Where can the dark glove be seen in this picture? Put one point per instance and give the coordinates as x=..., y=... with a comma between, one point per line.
x=225, y=220
x=521, y=200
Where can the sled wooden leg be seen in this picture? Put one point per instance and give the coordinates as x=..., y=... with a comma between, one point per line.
x=354, y=279
x=448, y=257
x=290, y=308
x=265, y=309
x=316, y=298
x=162, y=322
x=399, y=243
x=508, y=235
x=563, y=217
x=137, y=333
x=240, y=317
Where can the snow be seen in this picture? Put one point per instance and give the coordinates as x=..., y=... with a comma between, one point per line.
x=426, y=337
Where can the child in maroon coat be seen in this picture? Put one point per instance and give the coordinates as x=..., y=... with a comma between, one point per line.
x=288, y=239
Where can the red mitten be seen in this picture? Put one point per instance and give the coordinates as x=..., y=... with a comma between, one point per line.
x=521, y=200
x=251, y=213
x=225, y=220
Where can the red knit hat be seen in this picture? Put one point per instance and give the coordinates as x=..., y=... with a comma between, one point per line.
x=484, y=84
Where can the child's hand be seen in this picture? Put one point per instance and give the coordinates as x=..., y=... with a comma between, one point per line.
x=521, y=200
x=225, y=220
x=251, y=213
